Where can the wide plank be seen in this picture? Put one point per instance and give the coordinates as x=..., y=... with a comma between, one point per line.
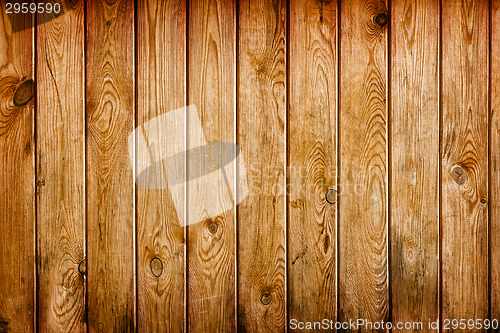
x=312, y=161
x=17, y=173
x=363, y=173
x=110, y=184
x=414, y=183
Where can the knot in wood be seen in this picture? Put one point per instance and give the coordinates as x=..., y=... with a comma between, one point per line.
x=213, y=227
x=82, y=267
x=156, y=266
x=458, y=174
x=24, y=93
x=266, y=298
x=331, y=196
x=381, y=19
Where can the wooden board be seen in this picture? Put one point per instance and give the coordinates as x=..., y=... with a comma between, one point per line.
x=261, y=125
x=363, y=278
x=312, y=161
x=211, y=238
x=414, y=188
x=61, y=172
x=110, y=183
x=161, y=87
x=494, y=166
x=17, y=176
x=464, y=153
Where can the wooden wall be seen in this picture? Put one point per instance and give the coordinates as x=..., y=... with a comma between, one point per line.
x=370, y=131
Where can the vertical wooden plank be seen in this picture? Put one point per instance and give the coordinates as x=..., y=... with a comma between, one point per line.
x=312, y=160
x=415, y=161
x=17, y=174
x=211, y=239
x=261, y=126
x=363, y=282
x=61, y=171
x=494, y=200
x=464, y=150
x=110, y=183
x=161, y=76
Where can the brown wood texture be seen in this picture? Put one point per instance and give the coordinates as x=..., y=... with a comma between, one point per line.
x=109, y=178
x=17, y=177
x=414, y=183
x=494, y=166
x=211, y=238
x=464, y=152
x=312, y=160
x=363, y=266
x=161, y=87
x=61, y=172
x=261, y=125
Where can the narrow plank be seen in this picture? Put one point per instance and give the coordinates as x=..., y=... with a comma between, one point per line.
x=110, y=183
x=211, y=232
x=61, y=171
x=363, y=281
x=494, y=200
x=464, y=149
x=161, y=58
x=415, y=161
x=17, y=175
x=312, y=161
x=261, y=127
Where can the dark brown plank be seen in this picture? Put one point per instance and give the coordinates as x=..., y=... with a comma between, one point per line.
x=363, y=280
x=464, y=149
x=312, y=161
x=110, y=183
x=261, y=126
x=211, y=231
x=415, y=162
x=61, y=171
x=17, y=175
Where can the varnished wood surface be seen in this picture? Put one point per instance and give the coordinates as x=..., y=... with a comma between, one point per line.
x=312, y=160
x=414, y=110
x=464, y=147
x=61, y=172
x=17, y=178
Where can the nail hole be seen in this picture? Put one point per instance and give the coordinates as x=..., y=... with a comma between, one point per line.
x=266, y=298
x=156, y=267
x=483, y=201
x=24, y=93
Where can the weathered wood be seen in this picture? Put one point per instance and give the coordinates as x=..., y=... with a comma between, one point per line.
x=17, y=175
x=61, y=171
x=261, y=125
x=494, y=123
x=110, y=183
x=312, y=160
x=414, y=185
x=464, y=143
x=161, y=87
x=211, y=239
x=363, y=280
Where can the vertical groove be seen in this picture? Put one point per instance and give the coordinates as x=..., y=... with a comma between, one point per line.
x=136, y=306
x=388, y=162
x=287, y=159
x=236, y=196
x=440, y=199
x=339, y=193
x=186, y=196
x=489, y=157
x=35, y=168
x=86, y=296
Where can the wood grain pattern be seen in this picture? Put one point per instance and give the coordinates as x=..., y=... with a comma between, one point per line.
x=261, y=123
x=161, y=87
x=415, y=161
x=363, y=279
x=17, y=179
x=312, y=160
x=494, y=171
x=61, y=172
x=464, y=145
x=110, y=183
x=211, y=252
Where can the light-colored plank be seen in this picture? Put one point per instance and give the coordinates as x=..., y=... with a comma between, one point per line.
x=17, y=175
x=494, y=200
x=211, y=238
x=415, y=161
x=312, y=160
x=161, y=33
x=261, y=126
x=363, y=280
x=61, y=172
x=464, y=153
x=110, y=183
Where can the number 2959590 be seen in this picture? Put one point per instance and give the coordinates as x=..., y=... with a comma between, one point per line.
x=25, y=7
